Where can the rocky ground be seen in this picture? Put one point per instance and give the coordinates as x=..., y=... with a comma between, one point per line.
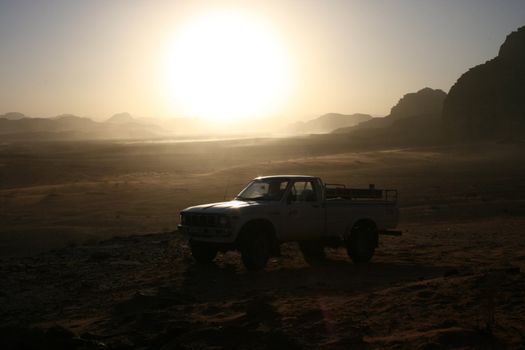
x=438, y=286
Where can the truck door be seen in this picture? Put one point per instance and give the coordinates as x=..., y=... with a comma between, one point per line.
x=304, y=215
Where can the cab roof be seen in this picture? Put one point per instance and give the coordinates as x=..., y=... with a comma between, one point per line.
x=287, y=177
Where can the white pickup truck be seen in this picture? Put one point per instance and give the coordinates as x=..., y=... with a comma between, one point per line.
x=274, y=209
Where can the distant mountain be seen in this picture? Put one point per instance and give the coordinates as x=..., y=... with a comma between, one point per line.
x=488, y=101
x=71, y=127
x=57, y=124
x=414, y=120
x=67, y=122
x=427, y=103
x=15, y=126
x=329, y=122
x=121, y=118
x=12, y=116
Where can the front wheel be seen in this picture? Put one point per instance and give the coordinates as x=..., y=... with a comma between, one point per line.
x=361, y=244
x=255, y=250
x=203, y=252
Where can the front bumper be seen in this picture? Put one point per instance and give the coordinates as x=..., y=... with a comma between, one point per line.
x=207, y=234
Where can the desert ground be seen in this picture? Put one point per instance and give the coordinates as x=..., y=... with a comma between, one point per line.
x=90, y=256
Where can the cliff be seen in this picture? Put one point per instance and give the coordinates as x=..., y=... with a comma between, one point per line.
x=488, y=101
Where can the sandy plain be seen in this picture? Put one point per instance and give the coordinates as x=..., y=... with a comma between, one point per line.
x=453, y=280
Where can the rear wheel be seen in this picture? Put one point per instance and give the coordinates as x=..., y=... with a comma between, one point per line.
x=255, y=250
x=362, y=242
x=203, y=252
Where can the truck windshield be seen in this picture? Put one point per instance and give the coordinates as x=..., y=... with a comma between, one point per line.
x=264, y=190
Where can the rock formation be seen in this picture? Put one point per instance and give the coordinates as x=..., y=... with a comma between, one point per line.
x=418, y=107
x=488, y=101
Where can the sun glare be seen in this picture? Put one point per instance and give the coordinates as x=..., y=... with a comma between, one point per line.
x=225, y=67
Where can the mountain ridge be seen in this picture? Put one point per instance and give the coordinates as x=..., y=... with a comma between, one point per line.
x=329, y=122
x=425, y=103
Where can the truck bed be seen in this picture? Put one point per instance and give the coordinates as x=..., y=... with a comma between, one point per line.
x=339, y=192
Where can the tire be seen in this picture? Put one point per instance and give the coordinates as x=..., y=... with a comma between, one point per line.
x=255, y=250
x=313, y=251
x=203, y=252
x=361, y=244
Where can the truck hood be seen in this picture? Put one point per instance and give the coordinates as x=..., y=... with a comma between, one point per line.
x=220, y=207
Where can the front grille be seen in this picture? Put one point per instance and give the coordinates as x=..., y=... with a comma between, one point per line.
x=200, y=220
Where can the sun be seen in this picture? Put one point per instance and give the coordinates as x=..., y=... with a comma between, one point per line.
x=225, y=67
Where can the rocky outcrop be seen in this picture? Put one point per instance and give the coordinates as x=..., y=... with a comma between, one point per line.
x=426, y=101
x=418, y=107
x=488, y=101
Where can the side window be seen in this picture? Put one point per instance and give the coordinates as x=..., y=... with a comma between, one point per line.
x=302, y=191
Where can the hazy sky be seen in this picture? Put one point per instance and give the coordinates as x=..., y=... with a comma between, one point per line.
x=95, y=58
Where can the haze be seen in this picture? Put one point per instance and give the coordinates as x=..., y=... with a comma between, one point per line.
x=98, y=58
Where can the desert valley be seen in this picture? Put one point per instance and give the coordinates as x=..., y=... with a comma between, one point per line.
x=91, y=258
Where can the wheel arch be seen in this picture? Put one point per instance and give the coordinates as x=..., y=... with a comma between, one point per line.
x=259, y=223
x=364, y=222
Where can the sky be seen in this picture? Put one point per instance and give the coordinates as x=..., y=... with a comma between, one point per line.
x=291, y=59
